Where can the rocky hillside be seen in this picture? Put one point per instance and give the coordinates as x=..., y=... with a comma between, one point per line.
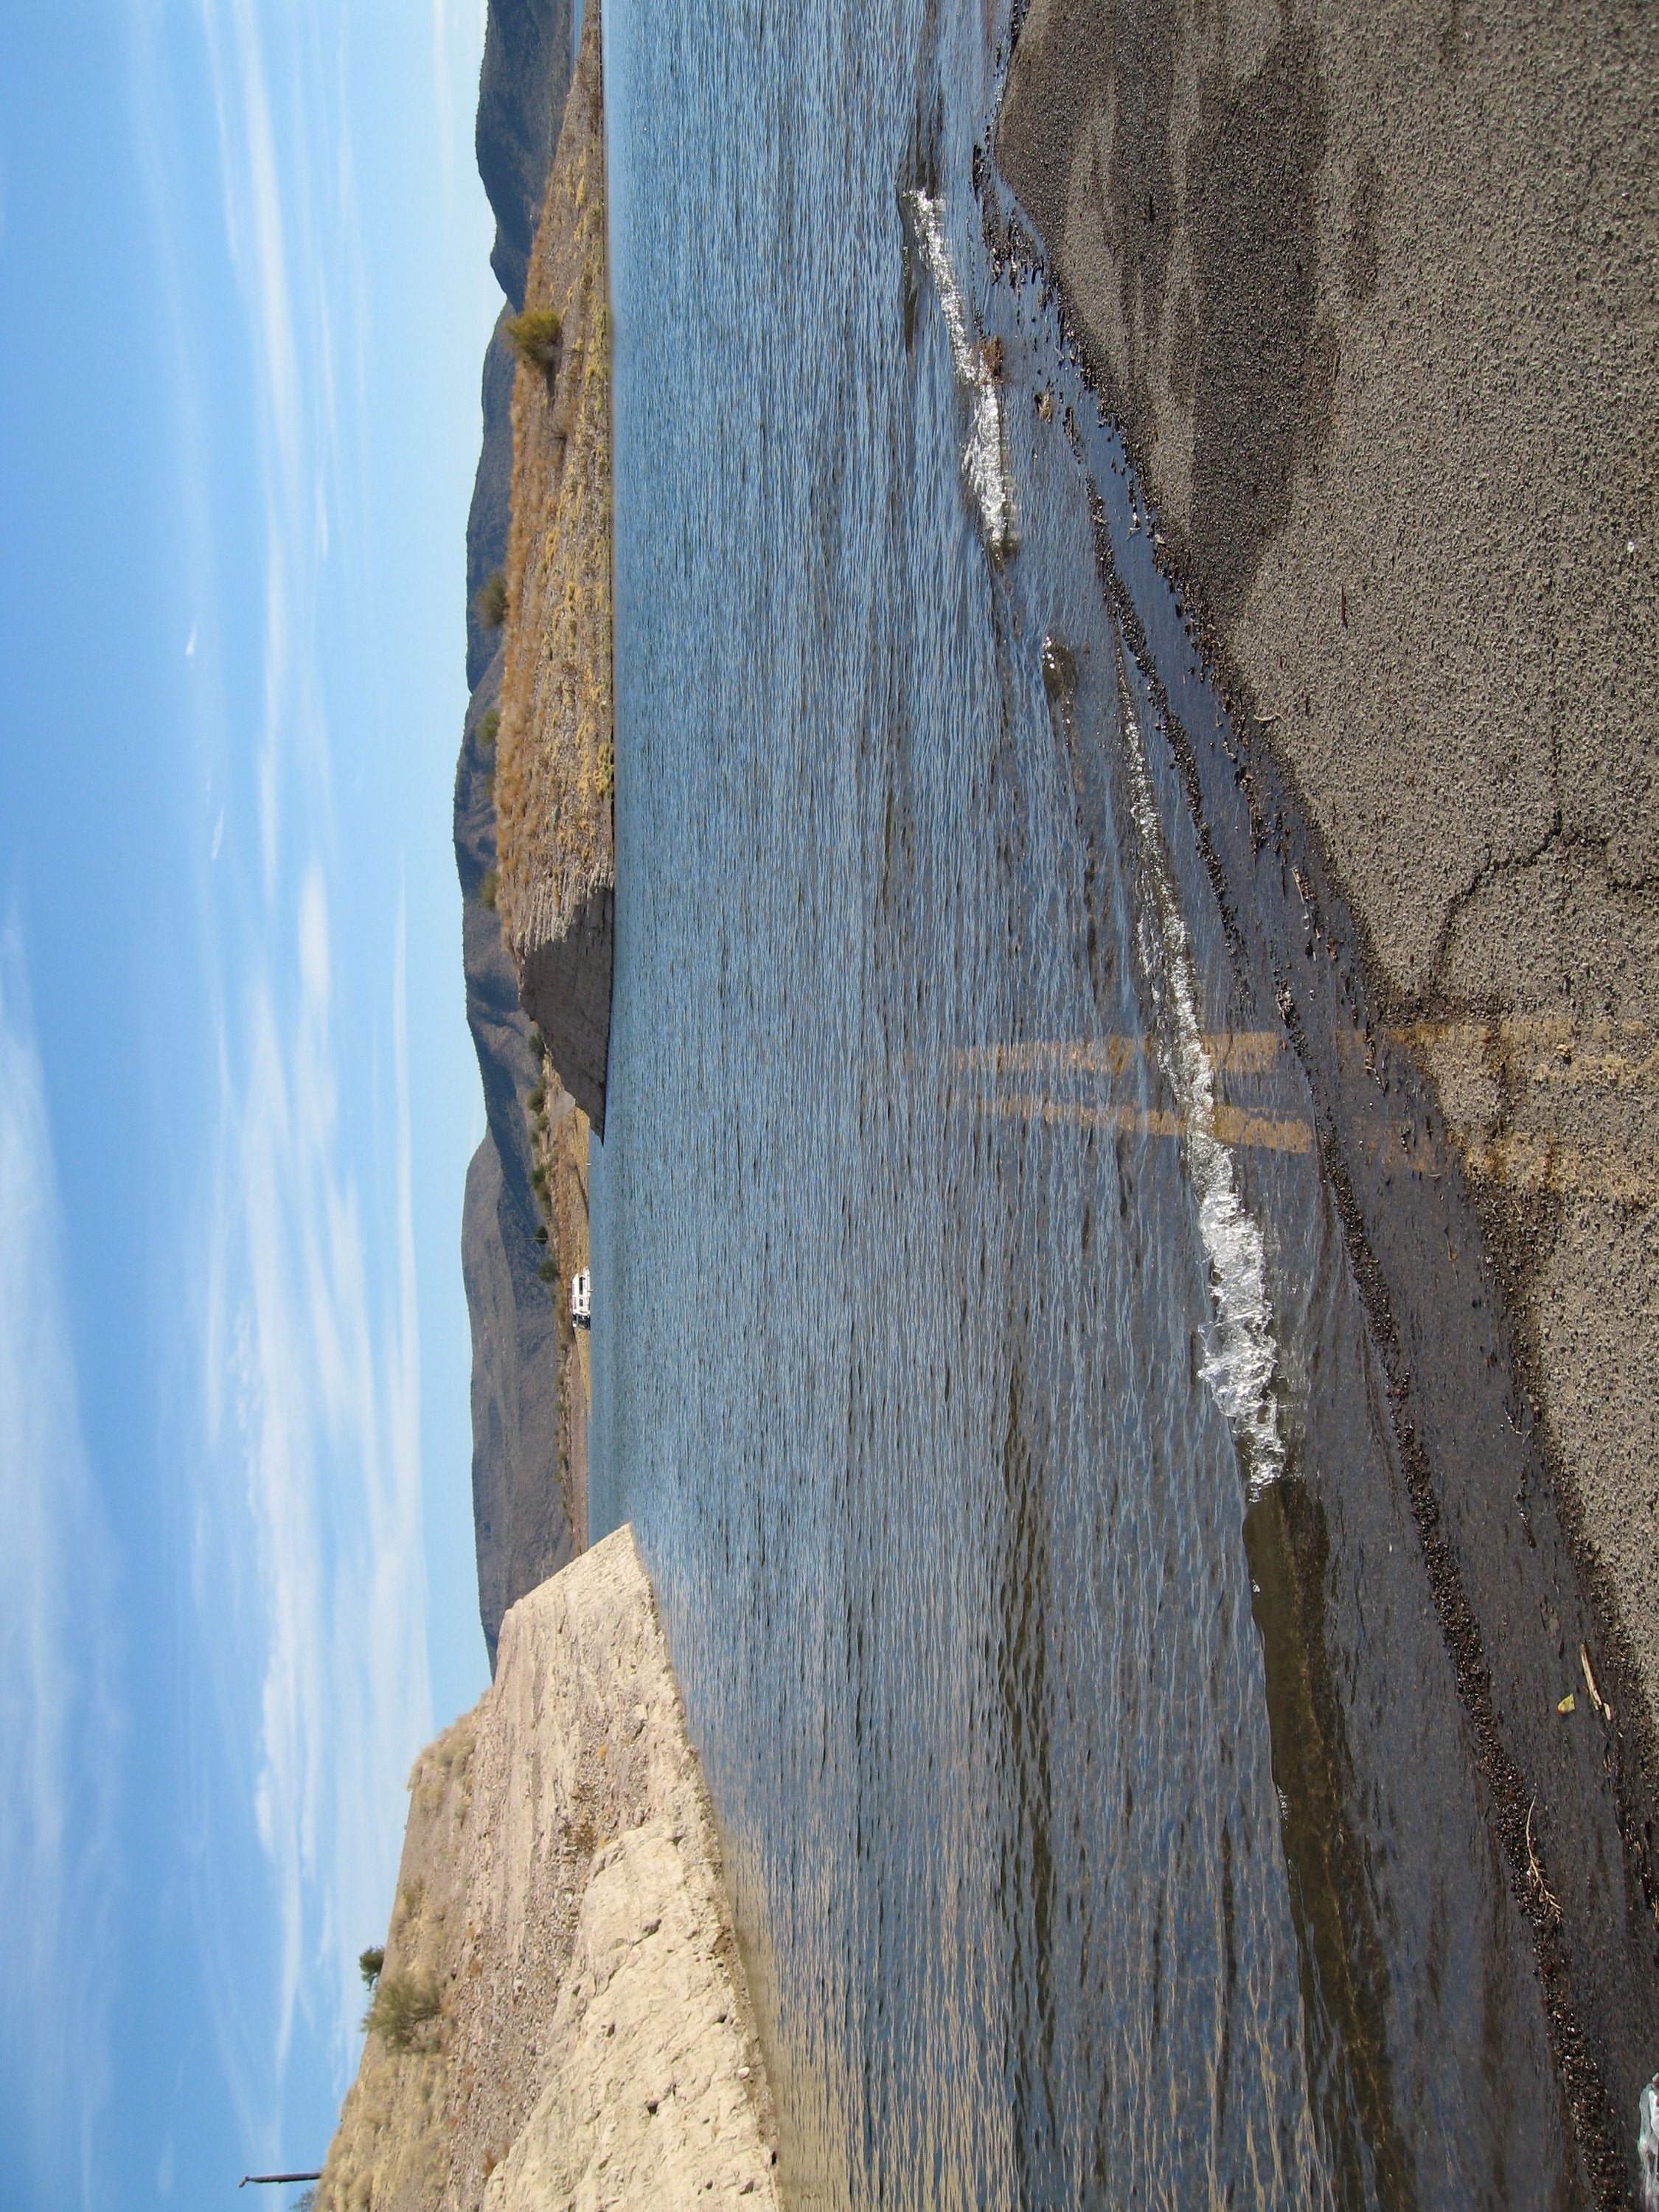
x=562, y=2016
x=554, y=782
x=521, y=1518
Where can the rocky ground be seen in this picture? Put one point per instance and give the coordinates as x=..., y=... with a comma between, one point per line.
x=1373, y=290
x=563, y=2017
x=555, y=769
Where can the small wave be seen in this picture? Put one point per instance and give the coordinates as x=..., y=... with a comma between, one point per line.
x=985, y=456
x=1241, y=1357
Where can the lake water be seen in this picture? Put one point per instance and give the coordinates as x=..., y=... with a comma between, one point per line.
x=975, y=1351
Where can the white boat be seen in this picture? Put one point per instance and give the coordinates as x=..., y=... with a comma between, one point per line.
x=581, y=1297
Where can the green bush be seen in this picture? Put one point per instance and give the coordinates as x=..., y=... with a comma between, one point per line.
x=489, y=727
x=541, y=1233
x=369, y=1964
x=404, y=2007
x=535, y=333
x=548, y=1271
x=492, y=600
x=489, y=886
x=537, y=1043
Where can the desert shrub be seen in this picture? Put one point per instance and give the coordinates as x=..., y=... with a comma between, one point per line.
x=537, y=1043
x=489, y=886
x=538, y=1098
x=489, y=728
x=369, y=1964
x=404, y=2007
x=535, y=335
x=492, y=600
x=548, y=1271
x=541, y=1233
x=538, y=1176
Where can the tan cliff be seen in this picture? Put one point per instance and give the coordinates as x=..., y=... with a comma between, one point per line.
x=556, y=763
x=562, y=2018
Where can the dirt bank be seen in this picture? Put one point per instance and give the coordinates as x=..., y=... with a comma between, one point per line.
x=555, y=835
x=563, y=2017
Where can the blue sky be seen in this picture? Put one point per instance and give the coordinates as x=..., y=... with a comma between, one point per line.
x=244, y=299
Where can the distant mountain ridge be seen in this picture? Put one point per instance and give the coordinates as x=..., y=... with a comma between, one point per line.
x=520, y=1519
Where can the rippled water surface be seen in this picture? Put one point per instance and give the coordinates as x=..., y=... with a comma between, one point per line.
x=975, y=1354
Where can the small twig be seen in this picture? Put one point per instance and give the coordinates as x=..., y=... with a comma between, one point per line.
x=1538, y=1871
x=1595, y=1698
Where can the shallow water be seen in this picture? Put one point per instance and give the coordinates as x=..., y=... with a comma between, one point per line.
x=975, y=1351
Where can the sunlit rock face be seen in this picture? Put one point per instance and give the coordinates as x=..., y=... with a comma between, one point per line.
x=563, y=2017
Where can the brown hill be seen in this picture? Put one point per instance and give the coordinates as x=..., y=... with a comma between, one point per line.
x=555, y=837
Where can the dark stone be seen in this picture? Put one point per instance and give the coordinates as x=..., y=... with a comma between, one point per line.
x=565, y=986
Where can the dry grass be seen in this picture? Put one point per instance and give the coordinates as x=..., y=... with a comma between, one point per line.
x=555, y=750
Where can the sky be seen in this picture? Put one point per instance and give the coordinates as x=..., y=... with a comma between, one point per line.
x=244, y=299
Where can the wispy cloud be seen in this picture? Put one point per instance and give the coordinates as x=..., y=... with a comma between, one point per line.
x=60, y=1726
x=307, y=1559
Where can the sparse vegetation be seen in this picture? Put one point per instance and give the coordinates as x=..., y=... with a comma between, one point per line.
x=369, y=1964
x=541, y=1233
x=489, y=729
x=548, y=1271
x=537, y=1043
x=535, y=335
x=489, y=886
x=491, y=602
x=404, y=2007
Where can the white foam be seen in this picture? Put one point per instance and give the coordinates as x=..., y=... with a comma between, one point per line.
x=985, y=456
x=1242, y=1357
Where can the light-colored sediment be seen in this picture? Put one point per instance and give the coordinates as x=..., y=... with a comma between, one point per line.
x=555, y=838
x=561, y=1908
x=1375, y=291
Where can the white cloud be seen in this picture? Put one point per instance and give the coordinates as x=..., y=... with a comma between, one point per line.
x=311, y=1468
x=60, y=1724
x=300, y=1457
x=308, y=1557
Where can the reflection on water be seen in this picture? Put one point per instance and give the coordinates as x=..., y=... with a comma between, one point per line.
x=1101, y=1833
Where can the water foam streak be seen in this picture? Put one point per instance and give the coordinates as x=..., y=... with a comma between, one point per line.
x=1241, y=1356
x=984, y=458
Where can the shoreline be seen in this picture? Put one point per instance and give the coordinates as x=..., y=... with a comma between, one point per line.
x=1530, y=1062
